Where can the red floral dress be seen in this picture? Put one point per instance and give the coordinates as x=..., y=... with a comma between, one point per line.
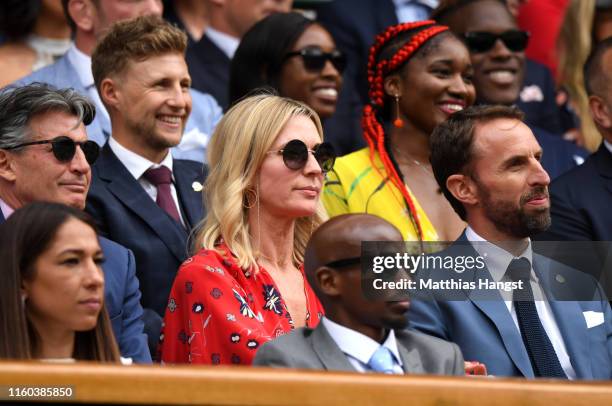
x=218, y=313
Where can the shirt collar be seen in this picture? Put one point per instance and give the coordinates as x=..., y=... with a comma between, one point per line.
x=608, y=145
x=225, y=42
x=136, y=164
x=496, y=258
x=6, y=209
x=428, y=3
x=357, y=345
x=82, y=64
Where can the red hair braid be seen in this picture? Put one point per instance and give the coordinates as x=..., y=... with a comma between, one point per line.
x=374, y=133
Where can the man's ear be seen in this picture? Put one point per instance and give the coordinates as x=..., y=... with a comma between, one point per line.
x=463, y=188
x=83, y=14
x=600, y=112
x=328, y=280
x=109, y=93
x=7, y=171
x=392, y=85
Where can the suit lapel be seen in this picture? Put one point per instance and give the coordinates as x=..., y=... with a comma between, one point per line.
x=411, y=360
x=189, y=195
x=493, y=306
x=328, y=351
x=569, y=318
x=127, y=190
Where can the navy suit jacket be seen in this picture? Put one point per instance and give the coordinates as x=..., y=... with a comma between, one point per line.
x=126, y=214
x=122, y=299
x=209, y=67
x=484, y=330
x=202, y=120
x=580, y=201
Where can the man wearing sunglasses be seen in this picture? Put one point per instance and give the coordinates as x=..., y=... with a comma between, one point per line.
x=142, y=197
x=45, y=156
x=90, y=20
x=356, y=334
x=502, y=75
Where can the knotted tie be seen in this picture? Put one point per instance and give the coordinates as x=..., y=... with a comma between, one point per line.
x=162, y=179
x=382, y=360
x=539, y=348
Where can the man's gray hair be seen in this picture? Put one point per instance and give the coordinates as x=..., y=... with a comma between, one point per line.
x=18, y=105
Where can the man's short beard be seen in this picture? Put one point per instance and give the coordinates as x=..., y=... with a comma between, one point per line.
x=514, y=221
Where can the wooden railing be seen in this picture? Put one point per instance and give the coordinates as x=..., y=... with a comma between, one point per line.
x=192, y=385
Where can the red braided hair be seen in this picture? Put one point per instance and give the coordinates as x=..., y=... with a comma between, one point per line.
x=373, y=131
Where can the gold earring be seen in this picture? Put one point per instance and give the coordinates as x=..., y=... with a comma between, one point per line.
x=250, y=198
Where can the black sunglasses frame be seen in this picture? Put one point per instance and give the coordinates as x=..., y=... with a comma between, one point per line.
x=295, y=155
x=481, y=41
x=344, y=263
x=314, y=59
x=64, y=148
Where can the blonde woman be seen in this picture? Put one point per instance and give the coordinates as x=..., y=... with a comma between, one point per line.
x=245, y=284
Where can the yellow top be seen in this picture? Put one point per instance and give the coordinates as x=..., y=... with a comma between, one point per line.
x=354, y=186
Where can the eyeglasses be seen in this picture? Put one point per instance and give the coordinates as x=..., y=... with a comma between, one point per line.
x=295, y=155
x=514, y=40
x=315, y=59
x=64, y=148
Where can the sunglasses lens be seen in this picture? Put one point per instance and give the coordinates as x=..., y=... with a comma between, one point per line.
x=515, y=40
x=314, y=59
x=338, y=59
x=325, y=156
x=295, y=154
x=480, y=41
x=91, y=151
x=63, y=148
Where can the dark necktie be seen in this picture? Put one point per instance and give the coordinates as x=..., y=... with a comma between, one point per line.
x=162, y=179
x=539, y=348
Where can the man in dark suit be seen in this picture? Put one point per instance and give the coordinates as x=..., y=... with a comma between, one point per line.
x=554, y=321
x=356, y=334
x=209, y=58
x=62, y=174
x=500, y=67
x=140, y=196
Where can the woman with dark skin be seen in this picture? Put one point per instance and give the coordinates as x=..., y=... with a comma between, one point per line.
x=419, y=74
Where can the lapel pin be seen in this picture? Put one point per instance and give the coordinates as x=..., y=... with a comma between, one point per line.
x=197, y=186
x=560, y=278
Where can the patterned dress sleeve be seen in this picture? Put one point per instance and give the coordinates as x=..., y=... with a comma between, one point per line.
x=209, y=319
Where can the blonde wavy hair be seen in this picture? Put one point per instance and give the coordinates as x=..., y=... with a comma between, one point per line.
x=235, y=154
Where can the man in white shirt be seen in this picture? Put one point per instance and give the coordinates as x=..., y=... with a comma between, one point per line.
x=141, y=196
x=209, y=58
x=90, y=20
x=356, y=334
x=487, y=163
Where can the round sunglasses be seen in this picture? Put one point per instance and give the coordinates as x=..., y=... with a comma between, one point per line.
x=295, y=155
x=64, y=148
x=514, y=40
x=315, y=59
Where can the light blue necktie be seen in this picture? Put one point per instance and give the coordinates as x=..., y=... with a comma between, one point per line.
x=382, y=361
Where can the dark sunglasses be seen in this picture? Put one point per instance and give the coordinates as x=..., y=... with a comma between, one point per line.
x=315, y=59
x=344, y=263
x=64, y=148
x=514, y=40
x=295, y=155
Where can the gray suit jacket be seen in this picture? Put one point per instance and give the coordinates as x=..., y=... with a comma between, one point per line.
x=306, y=348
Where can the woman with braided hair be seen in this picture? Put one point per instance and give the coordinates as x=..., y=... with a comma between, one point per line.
x=419, y=74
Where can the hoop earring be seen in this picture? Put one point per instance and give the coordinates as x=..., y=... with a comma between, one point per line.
x=398, y=122
x=251, y=198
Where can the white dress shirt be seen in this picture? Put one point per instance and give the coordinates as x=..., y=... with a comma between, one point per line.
x=225, y=42
x=608, y=145
x=359, y=348
x=497, y=261
x=5, y=209
x=82, y=64
x=138, y=165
